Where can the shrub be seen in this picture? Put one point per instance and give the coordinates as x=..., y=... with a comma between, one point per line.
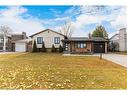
x=60, y=48
x=53, y=48
x=43, y=47
x=34, y=49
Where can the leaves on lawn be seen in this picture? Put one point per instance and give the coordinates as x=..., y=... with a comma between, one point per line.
x=54, y=71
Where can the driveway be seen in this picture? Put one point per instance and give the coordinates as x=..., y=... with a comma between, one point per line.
x=116, y=58
x=8, y=52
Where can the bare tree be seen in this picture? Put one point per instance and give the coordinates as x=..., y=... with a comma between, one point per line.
x=5, y=31
x=114, y=46
x=67, y=29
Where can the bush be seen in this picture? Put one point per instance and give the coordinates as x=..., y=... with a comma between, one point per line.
x=34, y=49
x=43, y=47
x=53, y=48
x=60, y=48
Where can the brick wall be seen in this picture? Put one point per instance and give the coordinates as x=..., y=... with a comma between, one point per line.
x=80, y=50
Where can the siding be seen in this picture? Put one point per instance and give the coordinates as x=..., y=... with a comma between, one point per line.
x=48, y=38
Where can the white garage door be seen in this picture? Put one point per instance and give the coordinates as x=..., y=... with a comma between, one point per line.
x=20, y=47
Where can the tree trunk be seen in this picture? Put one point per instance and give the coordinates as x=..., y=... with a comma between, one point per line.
x=4, y=47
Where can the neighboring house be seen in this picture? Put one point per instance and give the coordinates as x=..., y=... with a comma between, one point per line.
x=7, y=42
x=10, y=41
x=49, y=37
x=15, y=37
x=85, y=45
x=119, y=40
x=24, y=45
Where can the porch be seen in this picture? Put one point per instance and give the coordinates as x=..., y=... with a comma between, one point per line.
x=78, y=47
x=83, y=45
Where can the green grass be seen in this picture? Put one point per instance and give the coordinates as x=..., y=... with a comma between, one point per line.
x=54, y=71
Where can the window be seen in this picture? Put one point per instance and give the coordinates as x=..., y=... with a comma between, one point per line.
x=1, y=48
x=1, y=39
x=57, y=40
x=81, y=45
x=39, y=40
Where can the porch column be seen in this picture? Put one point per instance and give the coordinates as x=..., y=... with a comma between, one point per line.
x=90, y=46
x=69, y=49
x=106, y=46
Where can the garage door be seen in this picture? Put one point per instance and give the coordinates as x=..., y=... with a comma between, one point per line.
x=99, y=48
x=20, y=47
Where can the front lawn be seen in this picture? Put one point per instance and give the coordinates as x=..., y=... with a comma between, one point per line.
x=54, y=71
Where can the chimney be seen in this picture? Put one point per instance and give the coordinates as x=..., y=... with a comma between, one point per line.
x=89, y=35
x=122, y=39
x=24, y=35
x=122, y=33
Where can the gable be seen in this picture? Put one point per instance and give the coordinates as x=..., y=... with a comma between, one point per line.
x=48, y=38
x=49, y=31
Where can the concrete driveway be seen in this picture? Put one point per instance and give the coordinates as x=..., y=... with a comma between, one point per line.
x=8, y=52
x=116, y=58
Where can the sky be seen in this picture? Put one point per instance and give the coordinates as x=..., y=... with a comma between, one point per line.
x=84, y=19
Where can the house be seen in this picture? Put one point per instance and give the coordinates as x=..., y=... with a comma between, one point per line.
x=5, y=45
x=49, y=37
x=119, y=40
x=10, y=39
x=85, y=45
x=70, y=45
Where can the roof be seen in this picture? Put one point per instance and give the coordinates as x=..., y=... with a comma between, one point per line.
x=8, y=35
x=114, y=36
x=47, y=30
x=77, y=39
x=98, y=39
x=24, y=40
x=16, y=34
x=85, y=39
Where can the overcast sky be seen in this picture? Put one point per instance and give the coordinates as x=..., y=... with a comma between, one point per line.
x=32, y=19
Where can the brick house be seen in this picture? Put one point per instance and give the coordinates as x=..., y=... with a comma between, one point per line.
x=85, y=45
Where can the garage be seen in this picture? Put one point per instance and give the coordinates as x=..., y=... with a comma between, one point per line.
x=20, y=47
x=99, y=47
x=23, y=45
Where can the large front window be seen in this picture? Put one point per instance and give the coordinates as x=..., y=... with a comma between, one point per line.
x=57, y=40
x=39, y=40
x=81, y=45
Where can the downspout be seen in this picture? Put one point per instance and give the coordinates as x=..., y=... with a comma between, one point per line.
x=125, y=43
